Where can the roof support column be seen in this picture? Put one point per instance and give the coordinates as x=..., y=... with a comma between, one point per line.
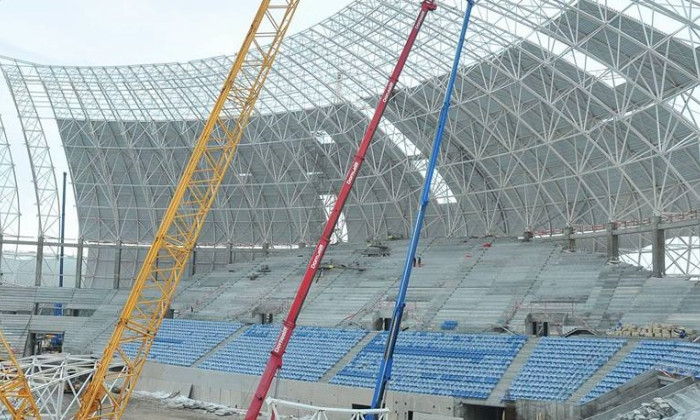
x=569, y=241
x=658, y=248
x=117, y=264
x=613, y=242
x=193, y=267
x=79, y=264
x=39, y=260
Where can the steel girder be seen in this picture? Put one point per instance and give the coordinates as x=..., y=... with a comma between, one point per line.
x=9, y=196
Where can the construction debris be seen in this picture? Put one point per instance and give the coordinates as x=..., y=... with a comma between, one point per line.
x=175, y=400
x=654, y=330
x=656, y=410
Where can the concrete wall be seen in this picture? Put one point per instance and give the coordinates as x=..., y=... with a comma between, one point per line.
x=428, y=416
x=642, y=384
x=236, y=391
x=546, y=410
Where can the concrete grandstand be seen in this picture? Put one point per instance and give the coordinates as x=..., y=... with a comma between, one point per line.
x=560, y=257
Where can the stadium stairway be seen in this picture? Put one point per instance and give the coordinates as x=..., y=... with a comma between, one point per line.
x=80, y=330
x=441, y=308
x=449, y=281
x=349, y=356
x=327, y=301
x=193, y=292
x=509, y=375
x=371, y=303
x=614, y=294
x=281, y=290
x=686, y=315
x=587, y=386
x=441, y=262
x=539, y=276
x=602, y=296
x=214, y=285
x=15, y=328
x=15, y=325
x=371, y=292
x=501, y=279
x=233, y=294
x=219, y=346
x=93, y=334
x=658, y=301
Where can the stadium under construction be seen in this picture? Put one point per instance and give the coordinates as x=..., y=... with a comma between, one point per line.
x=411, y=210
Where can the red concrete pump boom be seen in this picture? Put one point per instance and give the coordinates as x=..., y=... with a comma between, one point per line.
x=275, y=361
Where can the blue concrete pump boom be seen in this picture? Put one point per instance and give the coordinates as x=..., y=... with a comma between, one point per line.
x=388, y=358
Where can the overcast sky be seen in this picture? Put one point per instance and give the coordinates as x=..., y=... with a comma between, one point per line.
x=101, y=32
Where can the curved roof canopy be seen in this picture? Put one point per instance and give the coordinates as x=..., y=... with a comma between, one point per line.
x=565, y=113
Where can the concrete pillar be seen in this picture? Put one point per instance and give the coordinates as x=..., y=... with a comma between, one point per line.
x=193, y=264
x=79, y=264
x=569, y=241
x=613, y=242
x=658, y=248
x=39, y=260
x=229, y=251
x=117, y=264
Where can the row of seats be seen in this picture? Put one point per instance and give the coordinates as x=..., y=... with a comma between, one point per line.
x=668, y=355
x=312, y=351
x=559, y=366
x=458, y=365
x=181, y=342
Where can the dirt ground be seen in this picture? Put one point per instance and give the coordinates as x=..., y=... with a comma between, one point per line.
x=141, y=408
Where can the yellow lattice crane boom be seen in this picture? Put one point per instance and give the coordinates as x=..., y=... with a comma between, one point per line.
x=14, y=387
x=122, y=361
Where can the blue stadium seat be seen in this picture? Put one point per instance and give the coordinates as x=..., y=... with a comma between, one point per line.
x=559, y=366
x=312, y=351
x=181, y=342
x=459, y=365
x=668, y=355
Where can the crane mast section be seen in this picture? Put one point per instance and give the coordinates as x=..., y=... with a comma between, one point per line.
x=275, y=361
x=15, y=393
x=123, y=358
x=388, y=358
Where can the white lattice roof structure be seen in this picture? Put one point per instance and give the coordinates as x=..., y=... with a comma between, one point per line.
x=565, y=113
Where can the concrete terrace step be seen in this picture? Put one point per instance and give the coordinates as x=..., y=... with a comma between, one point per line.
x=15, y=329
x=499, y=391
x=94, y=332
x=348, y=357
x=587, y=386
x=452, y=284
x=219, y=346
